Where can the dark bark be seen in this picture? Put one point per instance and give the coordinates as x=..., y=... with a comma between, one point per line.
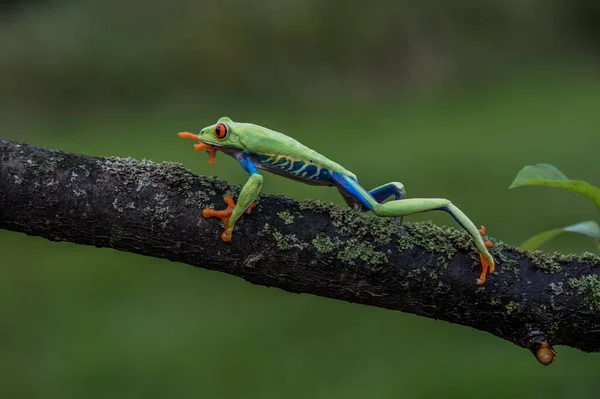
x=156, y=210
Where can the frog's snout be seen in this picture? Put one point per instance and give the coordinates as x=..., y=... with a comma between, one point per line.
x=188, y=135
x=200, y=146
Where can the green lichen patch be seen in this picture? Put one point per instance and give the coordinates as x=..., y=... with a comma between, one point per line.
x=314, y=205
x=510, y=267
x=590, y=258
x=351, y=222
x=288, y=241
x=557, y=288
x=435, y=239
x=323, y=244
x=359, y=234
x=404, y=243
x=265, y=230
x=286, y=216
x=544, y=262
x=500, y=252
x=512, y=307
x=349, y=251
x=588, y=287
x=555, y=263
x=505, y=261
x=353, y=250
x=359, y=226
x=439, y=240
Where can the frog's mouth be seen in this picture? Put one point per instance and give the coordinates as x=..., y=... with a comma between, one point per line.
x=212, y=151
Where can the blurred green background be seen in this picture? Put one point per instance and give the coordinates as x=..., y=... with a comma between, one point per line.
x=451, y=98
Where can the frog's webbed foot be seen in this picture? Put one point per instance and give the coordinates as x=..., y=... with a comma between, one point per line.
x=224, y=215
x=212, y=151
x=486, y=265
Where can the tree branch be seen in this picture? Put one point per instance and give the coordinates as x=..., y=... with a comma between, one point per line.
x=156, y=210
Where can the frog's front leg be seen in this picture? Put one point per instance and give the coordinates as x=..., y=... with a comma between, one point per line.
x=245, y=200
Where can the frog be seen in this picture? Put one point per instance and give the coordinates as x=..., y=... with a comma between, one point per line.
x=258, y=148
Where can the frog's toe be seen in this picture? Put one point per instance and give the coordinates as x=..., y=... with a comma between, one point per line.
x=225, y=215
x=487, y=262
x=486, y=267
x=226, y=236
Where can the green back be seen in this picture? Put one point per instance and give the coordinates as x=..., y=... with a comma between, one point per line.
x=265, y=142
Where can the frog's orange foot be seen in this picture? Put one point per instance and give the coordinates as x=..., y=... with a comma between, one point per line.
x=224, y=215
x=486, y=266
x=212, y=151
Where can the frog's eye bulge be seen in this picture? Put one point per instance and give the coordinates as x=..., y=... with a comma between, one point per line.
x=221, y=130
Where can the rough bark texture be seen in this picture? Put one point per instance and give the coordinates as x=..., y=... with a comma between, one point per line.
x=156, y=210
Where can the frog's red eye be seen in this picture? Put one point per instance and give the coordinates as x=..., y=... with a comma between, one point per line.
x=220, y=130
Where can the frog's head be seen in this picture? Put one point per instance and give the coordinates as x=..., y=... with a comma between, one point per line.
x=220, y=136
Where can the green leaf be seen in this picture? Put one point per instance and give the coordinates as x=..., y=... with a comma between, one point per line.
x=589, y=228
x=543, y=174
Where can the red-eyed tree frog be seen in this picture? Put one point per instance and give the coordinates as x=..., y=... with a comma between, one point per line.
x=256, y=147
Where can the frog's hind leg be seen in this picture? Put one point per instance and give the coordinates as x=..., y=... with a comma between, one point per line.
x=379, y=194
x=382, y=193
x=416, y=205
x=353, y=193
x=350, y=200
